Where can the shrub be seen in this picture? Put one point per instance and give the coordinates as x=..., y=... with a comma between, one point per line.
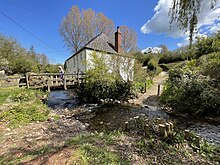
x=103, y=81
x=189, y=90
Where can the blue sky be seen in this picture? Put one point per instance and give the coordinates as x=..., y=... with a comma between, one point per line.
x=148, y=18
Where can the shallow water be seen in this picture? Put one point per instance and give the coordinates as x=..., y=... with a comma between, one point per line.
x=209, y=132
x=112, y=117
x=61, y=99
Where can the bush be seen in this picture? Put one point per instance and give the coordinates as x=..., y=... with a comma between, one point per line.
x=103, y=81
x=171, y=58
x=98, y=89
x=190, y=90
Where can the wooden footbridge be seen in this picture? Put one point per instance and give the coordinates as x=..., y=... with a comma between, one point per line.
x=43, y=80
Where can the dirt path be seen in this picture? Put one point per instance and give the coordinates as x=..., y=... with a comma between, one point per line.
x=150, y=97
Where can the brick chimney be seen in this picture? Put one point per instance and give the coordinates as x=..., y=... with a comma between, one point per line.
x=118, y=48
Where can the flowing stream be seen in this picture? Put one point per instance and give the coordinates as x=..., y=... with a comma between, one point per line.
x=60, y=99
x=111, y=117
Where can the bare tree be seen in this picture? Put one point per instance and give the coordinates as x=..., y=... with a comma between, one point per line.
x=105, y=25
x=89, y=20
x=129, y=39
x=71, y=29
x=78, y=27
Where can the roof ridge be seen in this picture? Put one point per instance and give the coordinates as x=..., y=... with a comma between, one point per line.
x=102, y=33
x=92, y=39
x=96, y=43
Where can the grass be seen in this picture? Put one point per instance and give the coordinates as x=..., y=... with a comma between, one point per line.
x=103, y=149
x=22, y=155
x=20, y=106
x=95, y=149
x=88, y=154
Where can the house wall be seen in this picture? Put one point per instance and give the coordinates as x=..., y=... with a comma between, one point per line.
x=83, y=61
x=76, y=63
x=125, y=64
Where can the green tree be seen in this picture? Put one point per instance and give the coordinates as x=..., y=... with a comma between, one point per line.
x=207, y=45
x=52, y=68
x=14, y=59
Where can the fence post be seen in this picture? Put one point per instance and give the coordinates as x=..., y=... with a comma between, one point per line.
x=64, y=83
x=27, y=82
x=158, y=90
x=145, y=87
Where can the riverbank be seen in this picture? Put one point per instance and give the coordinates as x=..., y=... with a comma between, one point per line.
x=69, y=141
x=82, y=135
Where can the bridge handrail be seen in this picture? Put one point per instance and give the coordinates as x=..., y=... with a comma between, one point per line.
x=46, y=78
x=53, y=74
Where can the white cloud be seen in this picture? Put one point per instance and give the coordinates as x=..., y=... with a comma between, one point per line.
x=159, y=23
x=208, y=21
x=152, y=50
x=185, y=40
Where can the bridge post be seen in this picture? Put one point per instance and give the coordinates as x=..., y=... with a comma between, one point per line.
x=27, y=80
x=64, y=83
x=48, y=83
x=77, y=78
x=51, y=82
x=57, y=83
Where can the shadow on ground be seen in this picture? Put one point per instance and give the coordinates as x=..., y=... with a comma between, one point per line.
x=152, y=100
x=42, y=143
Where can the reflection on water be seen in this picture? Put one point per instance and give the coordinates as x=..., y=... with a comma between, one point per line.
x=112, y=117
x=61, y=99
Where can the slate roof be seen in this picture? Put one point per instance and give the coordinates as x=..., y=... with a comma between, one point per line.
x=100, y=43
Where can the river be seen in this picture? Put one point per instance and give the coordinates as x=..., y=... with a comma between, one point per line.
x=111, y=117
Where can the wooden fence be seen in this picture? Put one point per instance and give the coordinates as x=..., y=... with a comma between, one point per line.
x=12, y=81
x=43, y=80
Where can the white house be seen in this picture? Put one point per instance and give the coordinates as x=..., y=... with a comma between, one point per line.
x=101, y=45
